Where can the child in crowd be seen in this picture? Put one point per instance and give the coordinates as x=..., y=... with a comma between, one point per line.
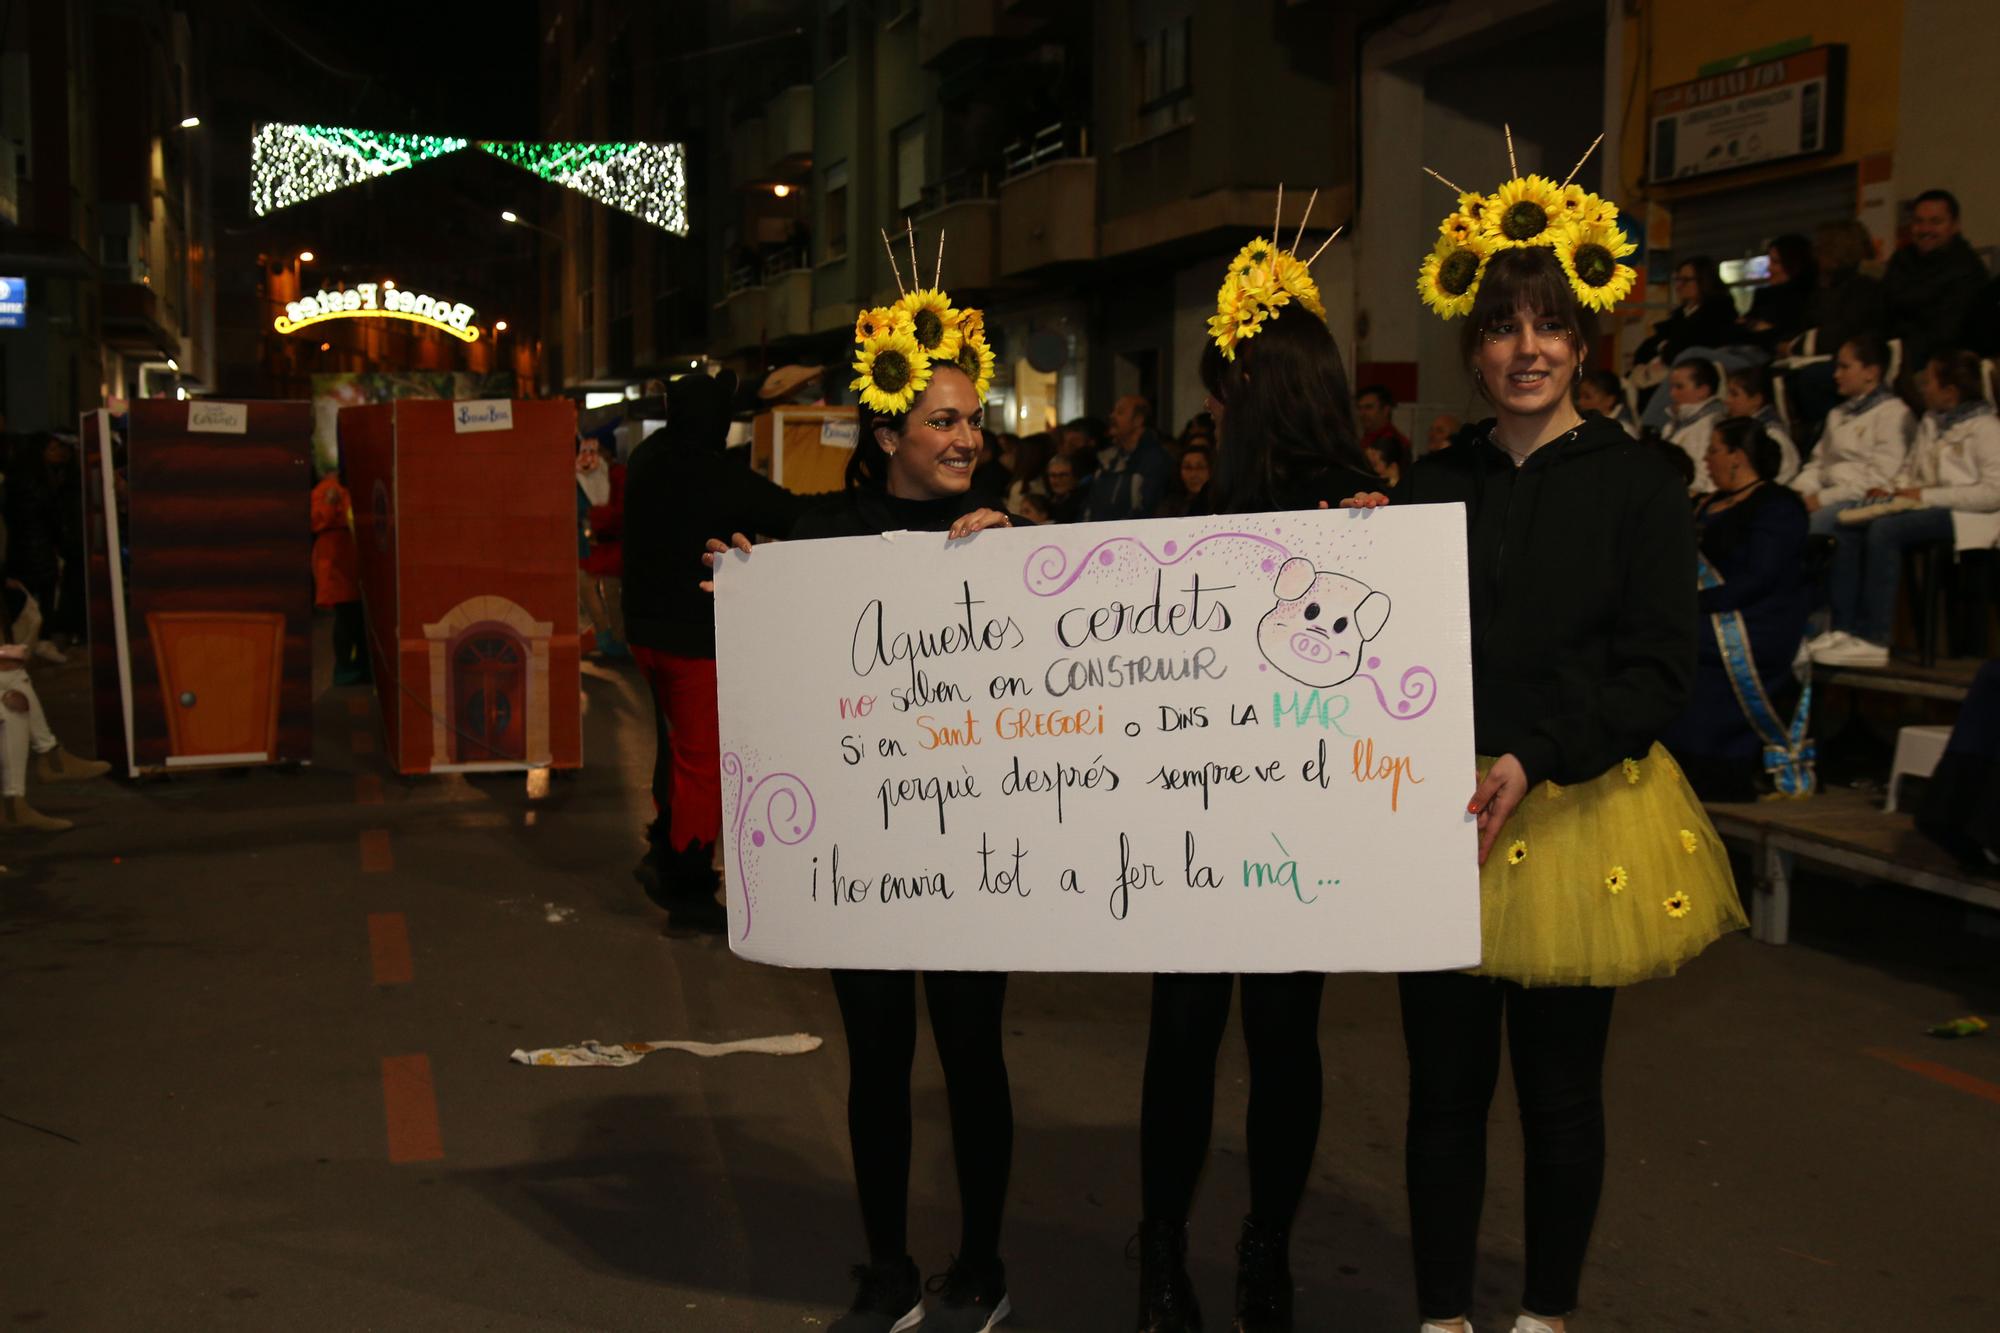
x=1602, y=392
x=1750, y=395
x=1866, y=440
x=1692, y=420
x=1947, y=492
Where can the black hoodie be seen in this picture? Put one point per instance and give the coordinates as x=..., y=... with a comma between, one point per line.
x=1582, y=565
x=681, y=488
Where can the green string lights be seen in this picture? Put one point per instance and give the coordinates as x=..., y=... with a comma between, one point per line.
x=290, y=164
x=647, y=180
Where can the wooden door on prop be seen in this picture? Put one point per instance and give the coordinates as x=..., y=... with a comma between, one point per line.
x=219, y=675
x=489, y=684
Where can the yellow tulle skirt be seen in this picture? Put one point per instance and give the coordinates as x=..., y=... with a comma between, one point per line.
x=1615, y=880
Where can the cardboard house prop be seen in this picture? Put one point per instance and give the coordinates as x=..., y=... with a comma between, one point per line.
x=465, y=525
x=200, y=598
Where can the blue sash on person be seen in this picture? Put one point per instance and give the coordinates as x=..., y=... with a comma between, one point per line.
x=1789, y=754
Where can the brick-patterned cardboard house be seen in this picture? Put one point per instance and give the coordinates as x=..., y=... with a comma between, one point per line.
x=200, y=593
x=465, y=523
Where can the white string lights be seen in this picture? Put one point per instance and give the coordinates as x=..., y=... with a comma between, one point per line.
x=290, y=164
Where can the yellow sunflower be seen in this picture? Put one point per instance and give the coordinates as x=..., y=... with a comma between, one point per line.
x=933, y=322
x=1255, y=252
x=891, y=371
x=1517, y=853
x=971, y=321
x=975, y=358
x=1296, y=280
x=1239, y=314
x=1689, y=843
x=1632, y=772
x=1679, y=905
x=1471, y=203
x=1617, y=879
x=880, y=320
x=1590, y=255
x=1448, y=279
x=1459, y=228
x=1522, y=212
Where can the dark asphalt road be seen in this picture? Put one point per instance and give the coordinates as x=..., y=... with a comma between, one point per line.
x=189, y=996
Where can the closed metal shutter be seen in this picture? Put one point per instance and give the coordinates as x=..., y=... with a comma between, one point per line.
x=1736, y=224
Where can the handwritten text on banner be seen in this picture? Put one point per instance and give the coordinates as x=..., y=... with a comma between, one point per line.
x=1225, y=744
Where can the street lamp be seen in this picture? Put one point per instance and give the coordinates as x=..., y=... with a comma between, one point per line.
x=499, y=326
x=305, y=256
x=191, y=122
x=509, y=215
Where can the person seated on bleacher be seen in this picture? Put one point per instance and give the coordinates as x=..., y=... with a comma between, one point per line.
x=1930, y=283
x=1867, y=437
x=1694, y=415
x=1602, y=392
x=1749, y=396
x=1743, y=730
x=1780, y=309
x=1948, y=491
x=1707, y=331
x=1847, y=304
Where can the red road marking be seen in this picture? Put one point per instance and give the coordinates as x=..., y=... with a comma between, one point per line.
x=363, y=742
x=389, y=948
x=367, y=789
x=1937, y=1073
x=409, y=1103
x=375, y=856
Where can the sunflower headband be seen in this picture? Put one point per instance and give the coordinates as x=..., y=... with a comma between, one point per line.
x=1579, y=226
x=1262, y=280
x=897, y=345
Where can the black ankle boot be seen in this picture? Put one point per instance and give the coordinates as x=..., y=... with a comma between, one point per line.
x=1263, y=1280
x=690, y=890
x=1166, y=1297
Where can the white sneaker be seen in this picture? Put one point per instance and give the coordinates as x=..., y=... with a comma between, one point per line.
x=1527, y=1323
x=48, y=652
x=1440, y=1328
x=1819, y=642
x=1853, y=653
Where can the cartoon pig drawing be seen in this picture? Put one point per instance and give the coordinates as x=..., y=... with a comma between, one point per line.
x=1321, y=623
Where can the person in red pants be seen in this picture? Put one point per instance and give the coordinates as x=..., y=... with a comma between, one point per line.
x=681, y=487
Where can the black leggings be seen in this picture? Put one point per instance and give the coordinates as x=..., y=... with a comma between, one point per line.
x=879, y=1010
x=1555, y=1038
x=1177, y=1108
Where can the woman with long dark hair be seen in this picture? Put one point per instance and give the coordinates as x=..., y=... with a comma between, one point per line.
x=1286, y=440
x=1598, y=867
x=924, y=370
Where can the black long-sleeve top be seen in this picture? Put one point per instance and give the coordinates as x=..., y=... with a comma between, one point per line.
x=1583, y=595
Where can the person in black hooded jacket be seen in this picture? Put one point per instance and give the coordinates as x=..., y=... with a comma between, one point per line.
x=1581, y=556
x=913, y=470
x=680, y=486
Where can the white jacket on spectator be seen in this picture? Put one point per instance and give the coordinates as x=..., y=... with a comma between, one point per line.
x=1866, y=442
x=1956, y=465
x=1788, y=452
x=1692, y=428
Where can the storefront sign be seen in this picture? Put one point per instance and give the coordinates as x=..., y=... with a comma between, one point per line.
x=1223, y=745
x=368, y=300
x=1768, y=112
x=13, y=303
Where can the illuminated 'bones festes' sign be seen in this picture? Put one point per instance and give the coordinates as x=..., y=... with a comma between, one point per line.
x=368, y=300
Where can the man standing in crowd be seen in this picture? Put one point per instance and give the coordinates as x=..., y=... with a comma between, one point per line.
x=1931, y=283
x=682, y=488
x=1134, y=476
x=1374, y=413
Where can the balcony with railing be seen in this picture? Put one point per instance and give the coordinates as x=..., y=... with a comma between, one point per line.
x=963, y=207
x=1048, y=200
x=788, y=132
x=946, y=24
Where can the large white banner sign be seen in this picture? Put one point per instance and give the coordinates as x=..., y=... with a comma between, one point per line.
x=1227, y=744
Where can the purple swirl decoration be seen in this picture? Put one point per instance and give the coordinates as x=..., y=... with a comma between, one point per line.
x=788, y=816
x=1048, y=565
x=1418, y=686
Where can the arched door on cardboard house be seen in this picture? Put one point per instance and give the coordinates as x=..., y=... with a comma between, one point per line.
x=489, y=680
